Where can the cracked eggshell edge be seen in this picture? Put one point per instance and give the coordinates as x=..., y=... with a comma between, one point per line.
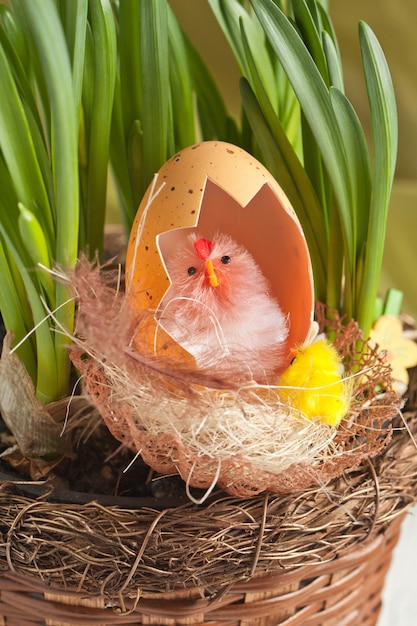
x=273, y=234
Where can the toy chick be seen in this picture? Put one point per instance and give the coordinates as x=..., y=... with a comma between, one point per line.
x=220, y=308
x=313, y=383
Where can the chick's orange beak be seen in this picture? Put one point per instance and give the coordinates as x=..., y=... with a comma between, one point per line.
x=211, y=274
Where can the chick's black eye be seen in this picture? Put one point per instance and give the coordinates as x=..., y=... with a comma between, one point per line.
x=225, y=259
x=192, y=270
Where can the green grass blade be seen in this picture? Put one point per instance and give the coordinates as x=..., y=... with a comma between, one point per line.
x=119, y=161
x=155, y=86
x=75, y=25
x=98, y=120
x=281, y=160
x=15, y=45
x=315, y=169
x=180, y=86
x=393, y=301
x=287, y=169
x=306, y=22
x=36, y=245
x=43, y=24
x=327, y=25
x=333, y=61
x=13, y=308
x=17, y=145
x=384, y=126
x=358, y=163
x=47, y=376
x=314, y=98
x=129, y=48
x=338, y=288
x=230, y=14
x=25, y=240
x=45, y=27
x=126, y=143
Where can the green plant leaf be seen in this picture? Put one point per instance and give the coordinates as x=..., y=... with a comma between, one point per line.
x=333, y=61
x=37, y=246
x=129, y=48
x=180, y=86
x=98, y=119
x=119, y=161
x=338, y=289
x=359, y=169
x=16, y=142
x=306, y=19
x=314, y=99
x=230, y=15
x=281, y=160
x=385, y=141
x=44, y=28
x=14, y=42
x=392, y=303
x=155, y=86
x=75, y=24
x=127, y=112
x=48, y=379
x=16, y=313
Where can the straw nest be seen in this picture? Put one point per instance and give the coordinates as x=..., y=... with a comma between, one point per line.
x=113, y=551
x=243, y=439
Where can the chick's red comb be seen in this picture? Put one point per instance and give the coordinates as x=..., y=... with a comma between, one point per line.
x=203, y=248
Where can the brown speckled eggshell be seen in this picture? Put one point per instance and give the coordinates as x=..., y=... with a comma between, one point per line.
x=237, y=195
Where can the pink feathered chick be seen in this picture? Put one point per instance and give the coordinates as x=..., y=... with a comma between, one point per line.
x=219, y=308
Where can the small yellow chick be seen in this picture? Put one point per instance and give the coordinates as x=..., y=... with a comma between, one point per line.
x=313, y=383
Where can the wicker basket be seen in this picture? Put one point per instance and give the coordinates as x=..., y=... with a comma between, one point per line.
x=316, y=557
x=342, y=592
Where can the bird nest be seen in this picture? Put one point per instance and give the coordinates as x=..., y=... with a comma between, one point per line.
x=243, y=439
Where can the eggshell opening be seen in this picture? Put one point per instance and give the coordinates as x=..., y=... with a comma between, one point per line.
x=216, y=187
x=272, y=237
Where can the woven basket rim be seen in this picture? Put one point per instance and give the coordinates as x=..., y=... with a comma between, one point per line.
x=185, y=547
x=348, y=587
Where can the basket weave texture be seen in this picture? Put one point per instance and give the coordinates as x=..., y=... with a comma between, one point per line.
x=345, y=592
x=317, y=557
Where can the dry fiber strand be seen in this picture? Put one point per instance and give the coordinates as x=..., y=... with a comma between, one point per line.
x=210, y=432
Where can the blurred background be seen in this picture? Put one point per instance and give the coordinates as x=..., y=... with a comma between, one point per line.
x=395, y=25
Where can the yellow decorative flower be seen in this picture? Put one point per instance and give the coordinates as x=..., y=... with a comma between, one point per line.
x=401, y=353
